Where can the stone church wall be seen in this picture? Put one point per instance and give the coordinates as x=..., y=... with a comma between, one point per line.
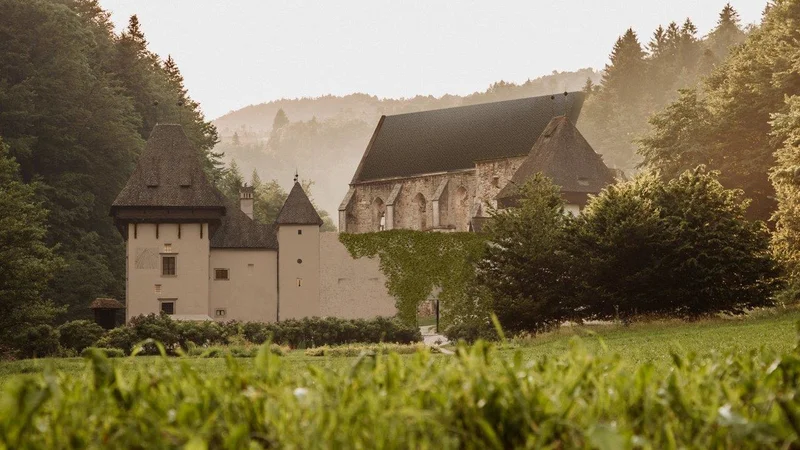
x=491, y=176
x=413, y=207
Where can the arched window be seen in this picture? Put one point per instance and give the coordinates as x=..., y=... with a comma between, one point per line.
x=421, y=209
x=461, y=206
x=378, y=214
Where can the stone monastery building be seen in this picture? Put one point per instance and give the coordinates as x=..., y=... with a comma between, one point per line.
x=437, y=170
x=192, y=254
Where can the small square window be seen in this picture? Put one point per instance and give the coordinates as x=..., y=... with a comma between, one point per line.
x=221, y=274
x=158, y=289
x=168, y=307
x=299, y=231
x=220, y=313
x=168, y=266
x=167, y=248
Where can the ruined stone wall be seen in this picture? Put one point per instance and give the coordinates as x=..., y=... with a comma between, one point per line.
x=490, y=177
x=413, y=206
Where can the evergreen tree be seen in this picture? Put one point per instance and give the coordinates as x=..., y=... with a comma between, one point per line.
x=621, y=77
x=281, y=120
x=523, y=269
x=26, y=262
x=727, y=33
x=785, y=176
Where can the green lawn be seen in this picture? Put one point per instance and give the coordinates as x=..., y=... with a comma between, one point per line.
x=644, y=342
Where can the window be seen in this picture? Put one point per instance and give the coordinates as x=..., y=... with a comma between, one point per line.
x=167, y=248
x=496, y=181
x=220, y=313
x=168, y=307
x=299, y=282
x=299, y=261
x=299, y=231
x=220, y=274
x=168, y=266
x=158, y=289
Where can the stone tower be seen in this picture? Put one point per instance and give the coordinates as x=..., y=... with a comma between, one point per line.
x=167, y=213
x=298, y=227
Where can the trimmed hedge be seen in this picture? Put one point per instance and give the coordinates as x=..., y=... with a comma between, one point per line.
x=478, y=399
x=302, y=333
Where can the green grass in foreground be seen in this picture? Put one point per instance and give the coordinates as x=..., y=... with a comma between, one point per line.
x=638, y=343
x=544, y=394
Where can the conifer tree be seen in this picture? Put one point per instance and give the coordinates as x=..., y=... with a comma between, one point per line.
x=727, y=33
x=281, y=119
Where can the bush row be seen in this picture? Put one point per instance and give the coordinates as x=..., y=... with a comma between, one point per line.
x=303, y=333
x=475, y=399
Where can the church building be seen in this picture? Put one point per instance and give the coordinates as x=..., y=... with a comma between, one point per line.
x=193, y=254
x=439, y=170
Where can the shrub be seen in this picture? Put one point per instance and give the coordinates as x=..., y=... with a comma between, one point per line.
x=122, y=338
x=79, y=334
x=37, y=341
x=159, y=327
x=470, y=332
x=682, y=248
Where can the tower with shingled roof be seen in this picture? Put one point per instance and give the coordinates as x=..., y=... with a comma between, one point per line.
x=298, y=226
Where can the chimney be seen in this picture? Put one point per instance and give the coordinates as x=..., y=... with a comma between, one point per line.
x=246, y=200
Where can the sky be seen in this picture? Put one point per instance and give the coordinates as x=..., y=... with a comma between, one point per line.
x=234, y=53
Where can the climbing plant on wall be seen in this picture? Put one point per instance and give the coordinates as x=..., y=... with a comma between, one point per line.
x=415, y=263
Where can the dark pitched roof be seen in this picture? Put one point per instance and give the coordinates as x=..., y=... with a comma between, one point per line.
x=169, y=174
x=562, y=154
x=106, y=303
x=451, y=139
x=298, y=209
x=239, y=231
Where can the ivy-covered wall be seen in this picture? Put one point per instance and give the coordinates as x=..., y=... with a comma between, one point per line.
x=415, y=262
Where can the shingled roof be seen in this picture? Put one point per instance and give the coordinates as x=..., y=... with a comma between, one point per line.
x=562, y=154
x=237, y=230
x=298, y=209
x=451, y=139
x=169, y=174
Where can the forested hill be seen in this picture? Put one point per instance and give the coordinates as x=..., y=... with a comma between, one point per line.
x=324, y=137
x=258, y=118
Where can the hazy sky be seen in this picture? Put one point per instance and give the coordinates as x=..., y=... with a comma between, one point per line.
x=238, y=52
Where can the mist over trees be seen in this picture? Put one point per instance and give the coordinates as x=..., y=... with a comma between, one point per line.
x=325, y=137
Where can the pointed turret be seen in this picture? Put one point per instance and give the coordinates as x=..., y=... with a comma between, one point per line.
x=562, y=154
x=298, y=209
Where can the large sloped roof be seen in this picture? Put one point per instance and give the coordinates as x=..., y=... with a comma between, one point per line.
x=169, y=174
x=562, y=154
x=298, y=209
x=237, y=230
x=450, y=139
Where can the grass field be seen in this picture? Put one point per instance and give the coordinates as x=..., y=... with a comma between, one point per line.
x=638, y=343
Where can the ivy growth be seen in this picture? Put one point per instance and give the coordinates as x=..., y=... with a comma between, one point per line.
x=416, y=263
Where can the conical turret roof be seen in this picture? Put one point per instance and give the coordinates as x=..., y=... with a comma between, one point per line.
x=298, y=209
